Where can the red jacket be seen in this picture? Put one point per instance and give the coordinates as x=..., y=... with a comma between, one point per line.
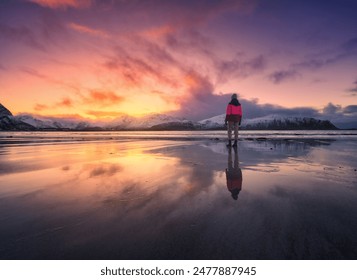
x=234, y=112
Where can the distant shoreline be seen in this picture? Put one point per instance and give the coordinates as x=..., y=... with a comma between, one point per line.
x=286, y=136
x=159, y=130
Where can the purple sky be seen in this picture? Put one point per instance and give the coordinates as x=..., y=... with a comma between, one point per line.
x=100, y=59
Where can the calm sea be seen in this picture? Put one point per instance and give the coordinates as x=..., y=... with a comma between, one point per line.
x=178, y=195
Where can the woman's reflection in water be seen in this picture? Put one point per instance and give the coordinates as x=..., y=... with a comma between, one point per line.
x=234, y=174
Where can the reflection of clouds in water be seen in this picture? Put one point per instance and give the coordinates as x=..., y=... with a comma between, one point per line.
x=168, y=206
x=338, y=174
x=172, y=202
x=280, y=192
x=264, y=168
x=105, y=170
x=199, y=163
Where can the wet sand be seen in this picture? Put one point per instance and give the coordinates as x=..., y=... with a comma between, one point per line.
x=178, y=199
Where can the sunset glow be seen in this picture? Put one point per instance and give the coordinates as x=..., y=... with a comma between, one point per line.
x=102, y=59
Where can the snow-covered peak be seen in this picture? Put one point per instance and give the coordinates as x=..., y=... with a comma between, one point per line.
x=156, y=119
x=4, y=111
x=166, y=122
x=147, y=121
x=275, y=117
x=213, y=122
x=270, y=122
x=41, y=122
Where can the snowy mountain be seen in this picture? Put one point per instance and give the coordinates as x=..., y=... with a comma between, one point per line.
x=9, y=122
x=270, y=122
x=277, y=122
x=213, y=123
x=124, y=122
x=4, y=111
x=154, y=122
x=145, y=122
x=40, y=122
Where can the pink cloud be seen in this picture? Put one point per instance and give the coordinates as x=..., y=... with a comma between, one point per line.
x=22, y=34
x=199, y=100
x=102, y=98
x=104, y=114
x=40, y=107
x=151, y=63
x=65, y=102
x=55, y=4
x=87, y=30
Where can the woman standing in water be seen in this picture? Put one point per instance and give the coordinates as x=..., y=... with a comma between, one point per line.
x=233, y=119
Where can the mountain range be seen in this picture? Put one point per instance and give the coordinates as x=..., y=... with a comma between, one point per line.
x=271, y=122
x=155, y=122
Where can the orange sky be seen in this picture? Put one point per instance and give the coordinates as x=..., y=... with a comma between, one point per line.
x=101, y=59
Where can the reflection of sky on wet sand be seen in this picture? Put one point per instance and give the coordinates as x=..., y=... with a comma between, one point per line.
x=169, y=200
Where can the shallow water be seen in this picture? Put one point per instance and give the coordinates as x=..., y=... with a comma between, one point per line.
x=165, y=199
x=43, y=137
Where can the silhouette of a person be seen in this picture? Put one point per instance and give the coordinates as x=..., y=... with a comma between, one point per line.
x=234, y=174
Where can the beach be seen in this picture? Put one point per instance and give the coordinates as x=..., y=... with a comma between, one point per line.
x=178, y=195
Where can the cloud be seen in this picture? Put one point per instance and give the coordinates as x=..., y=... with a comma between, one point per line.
x=104, y=114
x=345, y=50
x=95, y=97
x=353, y=89
x=102, y=98
x=162, y=31
x=68, y=85
x=278, y=77
x=52, y=29
x=192, y=43
x=87, y=30
x=253, y=109
x=105, y=170
x=311, y=64
x=315, y=61
x=38, y=30
x=351, y=109
x=200, y=103
x=187, y=41
x=162, y=60
x=23, y=35
x=40, y=107
x=65, y=102
x=66, y=117
x=183, y=13
x=227, y=69
x=56, y=4
x=342, y=117
x=33, y=72
x=199, y=100
x=162, y=51
x=137, y=68
x=350, y=45
x=330, y=109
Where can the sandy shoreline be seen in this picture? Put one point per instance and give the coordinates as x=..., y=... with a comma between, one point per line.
x=164, y=199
